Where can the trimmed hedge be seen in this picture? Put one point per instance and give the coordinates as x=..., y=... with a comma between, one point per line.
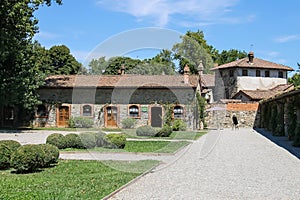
x=50, y=154
x=101, y=141
x=73, y=141
x=80, y=122
x=145, y=131
x=117, y=140
x=57, y=139
x=179, y=125
x=88, y=139
x=7, y=147
x=128, y=122
x=165, y=131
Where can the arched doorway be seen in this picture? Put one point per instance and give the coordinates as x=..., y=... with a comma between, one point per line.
x=63, y=116
x=111, y=116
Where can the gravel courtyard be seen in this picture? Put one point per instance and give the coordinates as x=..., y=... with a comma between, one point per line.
x=223, y=164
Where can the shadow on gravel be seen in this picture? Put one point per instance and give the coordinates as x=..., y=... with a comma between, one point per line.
x=281, y=141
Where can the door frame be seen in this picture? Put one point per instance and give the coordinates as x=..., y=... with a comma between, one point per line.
x=106, y=117
x=57, y=114
x=150, y=114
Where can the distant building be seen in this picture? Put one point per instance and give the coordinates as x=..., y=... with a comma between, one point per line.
x=248, y=74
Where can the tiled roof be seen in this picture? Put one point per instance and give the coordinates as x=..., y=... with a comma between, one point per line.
x=265, y=94
x=257, y=63
x=65, y=81
x=208, y=80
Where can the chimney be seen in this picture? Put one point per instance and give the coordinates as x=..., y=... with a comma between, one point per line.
x=200, y=68
x=251, y=57
x=186, y=74
x=122, y=70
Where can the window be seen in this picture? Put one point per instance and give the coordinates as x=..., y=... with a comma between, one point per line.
x=280, y=74
x=41, y=111
x=134, y=111
x=245, y=72
x=178, y=112
x=258, y=73
x=231, y=73
x=267, y=73
x=87, y=110
x=8, y=113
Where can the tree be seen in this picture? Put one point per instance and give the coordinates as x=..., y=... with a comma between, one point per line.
x=19, y=75
x=98, y=66
x=229, y=56
x=115, y=63
x=61, y=61
x=190, y=52
x=152, y=69
x=295, y=79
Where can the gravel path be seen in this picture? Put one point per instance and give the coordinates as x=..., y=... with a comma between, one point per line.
x=223, y=165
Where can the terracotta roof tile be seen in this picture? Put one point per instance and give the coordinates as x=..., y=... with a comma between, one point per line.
x=208, y=80
x=257, y=63
x=120, y=81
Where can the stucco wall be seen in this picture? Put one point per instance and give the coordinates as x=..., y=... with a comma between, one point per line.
x=262, y=83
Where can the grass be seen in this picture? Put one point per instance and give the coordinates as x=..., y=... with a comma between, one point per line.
x=140, y=147
x=72, y=180
x=176, y=135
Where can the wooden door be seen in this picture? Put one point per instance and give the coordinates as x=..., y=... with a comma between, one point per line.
x=63, y=116
x=111, y=116
x=156, y=116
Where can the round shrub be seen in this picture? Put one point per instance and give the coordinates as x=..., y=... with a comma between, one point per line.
x=165, y=131
x=118, y=140
x=73, y=141
x=11, y=144
x=145, y=131
x=57, y=139
x=50, y=154
x=27, y=158
x=88, y=139
x=5, y=154
x=101, y=140
x=179, y=125
x=128, y=122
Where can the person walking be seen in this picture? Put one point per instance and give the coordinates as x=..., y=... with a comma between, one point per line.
x=235, y=122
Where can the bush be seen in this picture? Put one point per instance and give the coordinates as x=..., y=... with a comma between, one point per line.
x=5, y=154
x=27, y=158
x=164, y=132
x=57, y=140
x=179, y=125
x=80, y=122
x=296, y=142
x=88, y=139
x=11, y=144
x=50, y=154
x=73, y=141
x=118, y=140
x=128, y=122
x=145, y=131
x=101, y=141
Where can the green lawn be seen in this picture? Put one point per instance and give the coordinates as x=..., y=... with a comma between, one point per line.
x=72, y=180
x=141, y=147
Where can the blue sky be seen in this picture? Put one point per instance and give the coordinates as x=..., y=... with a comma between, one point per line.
x=267, y=27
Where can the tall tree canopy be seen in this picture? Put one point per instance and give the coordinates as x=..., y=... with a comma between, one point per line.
x=19, y=75
x=295, y=79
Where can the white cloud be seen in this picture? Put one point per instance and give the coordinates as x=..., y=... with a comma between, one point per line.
x=287, y=38
x=46, y=35
x=161, y=12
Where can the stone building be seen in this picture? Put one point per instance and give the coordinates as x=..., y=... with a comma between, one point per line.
x=108, y=99
x=249, y=73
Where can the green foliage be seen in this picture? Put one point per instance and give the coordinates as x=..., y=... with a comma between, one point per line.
x=57, y=140
x=88, y=140
x=98, y=66
x=145, y=131
x=50, y=154
x=27, y=158
x=73, y=141
x=20, y=75
x=165, y=131
x=101, y=140
x=230, y=56
x=179, y=125
x=168, y=116
x=296, y=142
x=128, y=122
x=295, y=79
x=11, y=144
x=5, y=154
x=80, y=122
x=292, y=120
x=118, y=140
x=201, y=107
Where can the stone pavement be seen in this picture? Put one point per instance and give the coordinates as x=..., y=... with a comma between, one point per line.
x=224, y=164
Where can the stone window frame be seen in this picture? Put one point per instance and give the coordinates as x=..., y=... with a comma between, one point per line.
x=258, y=73
x=82, y=110
x=139, y=111
x=37, y=115
x=182, y=114
x=244, y=72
